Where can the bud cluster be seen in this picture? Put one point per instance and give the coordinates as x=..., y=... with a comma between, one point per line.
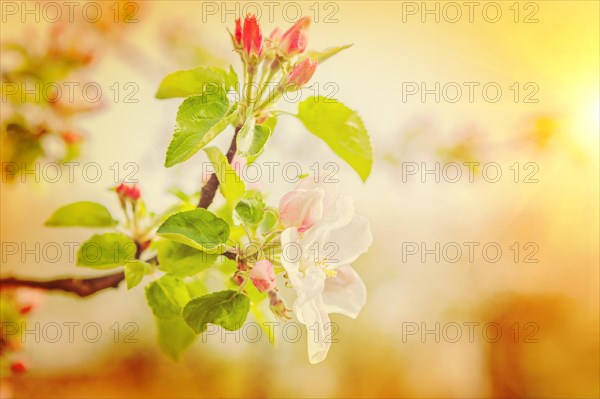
x=280, y=57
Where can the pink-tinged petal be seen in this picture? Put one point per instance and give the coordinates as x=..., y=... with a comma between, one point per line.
x=345, y=293
x=263, y=276
x=295, y=40
x=301, y=209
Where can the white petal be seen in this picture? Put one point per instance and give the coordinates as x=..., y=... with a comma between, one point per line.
x=312, y=314
x=312, y=282
x=349, y=242
x=345, y=293
x=290, y=259
x=329, y=187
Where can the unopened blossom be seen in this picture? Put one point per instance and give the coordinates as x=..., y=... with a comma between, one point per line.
x=302, y=72
x=131, y=192
x=238, y=32
x=295, y=40
x=252, y=36
x=263, y=276
x=322, y=278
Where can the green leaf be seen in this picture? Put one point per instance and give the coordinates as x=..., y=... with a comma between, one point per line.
x=182, y=260
x=268, y=222
x=167, y=296
x=262, y=134
x=199, y=120
x=198, y=228
x=251, y=139
x=250, y=209
x=81, y=214
x=227, y=309
x=321, y=56
x=231, y=185
x=194, y=81
x=243, y=138
x=270, y=123
x=197, y=287
x=236, y=232
x=105, y=251
x=135, y=272
x=341, y=129
x=174, y=337
x=231, y=78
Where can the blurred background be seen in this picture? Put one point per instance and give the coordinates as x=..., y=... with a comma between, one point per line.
x=522, y=322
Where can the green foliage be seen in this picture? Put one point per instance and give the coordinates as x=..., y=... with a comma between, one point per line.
x=227, y=309
x=174, y=336
x=341, y=129
x=250, y=209
x=199, y=228
x=20, y=144
x=106, y=251
x=270, y=123
x=195, y=81
x=135, y=272
x=167, y=296
x=181, y=260
x=321, y=56
x=230, y=184
x=81, y=214
x=199, y=120
x=268, y=222
x=252, y=138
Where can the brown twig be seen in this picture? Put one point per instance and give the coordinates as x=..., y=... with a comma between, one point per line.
x=210, y=188
x=81, y=287
x=89, y=286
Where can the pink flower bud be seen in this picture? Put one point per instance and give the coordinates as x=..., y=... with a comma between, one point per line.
x=238, y=32
x=301, y=209
x=302, y=72
x=295, y=40
x=121, y=189
x=134, y=193
x=130, y=192
x=252, y=36
x=263, y=276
